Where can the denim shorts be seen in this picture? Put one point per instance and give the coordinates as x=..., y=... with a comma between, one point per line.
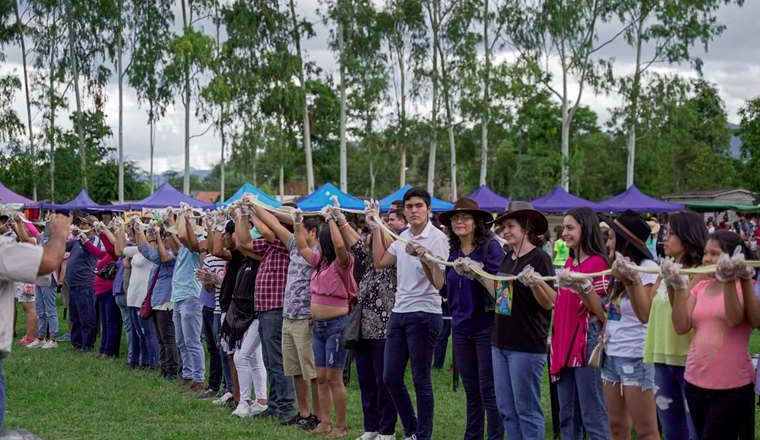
x=628, y=372
x=329, y=352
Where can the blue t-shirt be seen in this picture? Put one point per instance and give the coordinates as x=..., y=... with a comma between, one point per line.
x=184, y=283
x=162, y=291
x=80, y=270
x=467, y=300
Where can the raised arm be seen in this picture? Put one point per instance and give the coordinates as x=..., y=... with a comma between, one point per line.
x=55, y=248
x=751, y=303
x=244, y=239
x=350, y=236
x=266, y=232
x=273, y=224
x=341, y=252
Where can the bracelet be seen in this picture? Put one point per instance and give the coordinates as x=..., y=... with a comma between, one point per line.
x=343, y=225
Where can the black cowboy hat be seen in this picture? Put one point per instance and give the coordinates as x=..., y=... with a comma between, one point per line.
x=634, y=230
x=467, y=206
x=524, y=210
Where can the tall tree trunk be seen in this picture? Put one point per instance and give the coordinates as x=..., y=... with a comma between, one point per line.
x=434, y=117
x=402, y=118
x=306, y=119
x=120, y=73
x=186, y=101
x=343, y=147
x=32, y=152
x=565, y=137
x=370, y=152
x=78, y=119
x=152, y=125
x=221, y=116
x=486, y=98
x=449, y=121
x=633, y=110
x=51, y=97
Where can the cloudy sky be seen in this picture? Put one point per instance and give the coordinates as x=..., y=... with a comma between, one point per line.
x=732, y=63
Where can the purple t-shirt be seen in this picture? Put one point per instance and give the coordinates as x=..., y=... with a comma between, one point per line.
x=467, y=301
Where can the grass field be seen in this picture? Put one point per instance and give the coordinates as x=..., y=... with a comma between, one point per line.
x=63, y=394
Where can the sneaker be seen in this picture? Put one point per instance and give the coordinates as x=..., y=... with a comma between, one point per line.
x=268, y=414
x=37, y=343
x=411, y=437
x=208, y=393
x=243, y=410
x=385, y=437
x=257, y=408
x=368, y=436
x=226, y=397
x=50, y=343
x=26, y=340
x=66, y=337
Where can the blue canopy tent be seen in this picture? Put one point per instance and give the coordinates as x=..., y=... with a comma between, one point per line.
x=634, y=199
x=81, y=202
x=165, y=196
x=489, y=200
x=437, y=205
x=248, y=188
x=321, y=197
x=559, y=200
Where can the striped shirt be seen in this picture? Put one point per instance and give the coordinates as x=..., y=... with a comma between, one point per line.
x=217, y=266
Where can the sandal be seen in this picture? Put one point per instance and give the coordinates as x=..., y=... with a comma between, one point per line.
x=322, y=428
x=338, y=432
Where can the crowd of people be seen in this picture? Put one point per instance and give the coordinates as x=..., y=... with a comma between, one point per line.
x=279, y=299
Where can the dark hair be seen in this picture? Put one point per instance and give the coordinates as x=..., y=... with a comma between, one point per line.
x=558, y=232
x=311, y=223
x=591, y=233
x=625, y=248
x=417, y=192
x=533, y=238
x=399, y=212
x=688, y=227
x=481, y=236
x=397, y=203
x=728, y=242
x=326, y=248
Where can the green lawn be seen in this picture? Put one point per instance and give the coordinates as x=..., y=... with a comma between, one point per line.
x=62, y=394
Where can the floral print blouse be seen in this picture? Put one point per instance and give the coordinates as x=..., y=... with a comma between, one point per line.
x=377, y=294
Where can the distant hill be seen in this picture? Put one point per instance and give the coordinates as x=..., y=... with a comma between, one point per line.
x=162, y=178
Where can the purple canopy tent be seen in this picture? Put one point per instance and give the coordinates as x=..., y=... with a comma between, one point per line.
x=634, y=199
x=489, y=200
x=165, y=196
x=8, y=196
x=559, y=200
x=81, y=202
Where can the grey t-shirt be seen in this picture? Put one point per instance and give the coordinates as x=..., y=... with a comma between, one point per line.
x=297, y=301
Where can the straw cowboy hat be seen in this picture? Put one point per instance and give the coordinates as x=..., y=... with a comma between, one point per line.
x=524, y=210
x=465, y=205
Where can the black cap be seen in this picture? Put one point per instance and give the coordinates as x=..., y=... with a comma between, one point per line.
x=229, y=227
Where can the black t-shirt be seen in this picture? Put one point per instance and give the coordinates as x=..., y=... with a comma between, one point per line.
x=521, y=323
x=228, y=282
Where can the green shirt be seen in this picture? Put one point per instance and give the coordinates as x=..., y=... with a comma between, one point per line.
x=561, y=252
x=664, y=345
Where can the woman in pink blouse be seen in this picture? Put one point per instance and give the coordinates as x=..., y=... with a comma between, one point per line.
x=578, y=317
x=719, y=372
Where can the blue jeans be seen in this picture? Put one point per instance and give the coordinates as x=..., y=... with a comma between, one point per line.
x=144, y=339
x=281, y=390
x=517, y=378
x=47, y=315
x=326, y=345
x=82, y=315
x=581, y=398
x=121, y=302
x=225, y=360
x=670, y=398
x=110, y=324
x=411, y=339
x=473, y=361
x=377, y=406
x=188, y=321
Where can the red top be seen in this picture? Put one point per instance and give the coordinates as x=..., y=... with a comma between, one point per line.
x=272, y=275
x=105, y=257
x=571, y=319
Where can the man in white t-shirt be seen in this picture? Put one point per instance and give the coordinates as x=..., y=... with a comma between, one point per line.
x=416, y=319
x=23, y=262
